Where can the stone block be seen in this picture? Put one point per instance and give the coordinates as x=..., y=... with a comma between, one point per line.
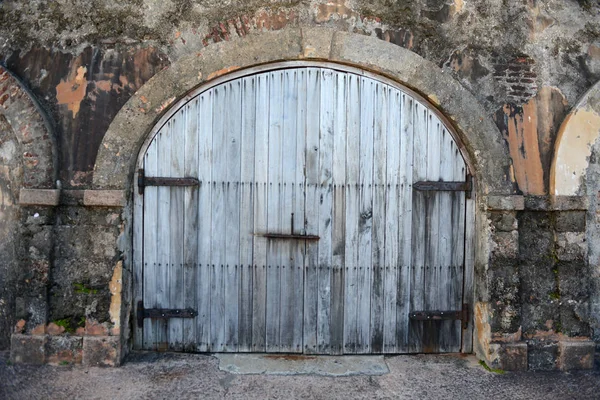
x=505, y=203
x=504, y=221
x=28, y=349
x=571, y=246
x=542, y=355
x=316, y=42
x=576, y=354
x=39, y=197
x=64, y=349
x=101, y=351
x=104, y=198
x=511, y=356
x=505, y=244
x=556, y=203
x=570, y=221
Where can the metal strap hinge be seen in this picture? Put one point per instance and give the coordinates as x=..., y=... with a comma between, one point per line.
x=460, y=315
x=162, y=313
x=144, y=181
x=466, y=186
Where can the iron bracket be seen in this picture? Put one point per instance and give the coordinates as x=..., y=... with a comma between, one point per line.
x=460, y=315
x=144, y=181
x=161, y=313
x=428, y=186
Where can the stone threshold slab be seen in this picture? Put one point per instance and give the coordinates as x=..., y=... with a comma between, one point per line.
x=290, y=364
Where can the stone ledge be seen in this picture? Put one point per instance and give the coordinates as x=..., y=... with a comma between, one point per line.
x=28, y=349
x=55, y=197
x=537, y=203
x=39, y=197
x=102, y=351
x=510, y=356
x=505, y=203
x=576, y=354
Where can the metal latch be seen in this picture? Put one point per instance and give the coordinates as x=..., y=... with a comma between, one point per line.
x=162, y=313
x=144, y=181
x=460, y=315
x=466, y=186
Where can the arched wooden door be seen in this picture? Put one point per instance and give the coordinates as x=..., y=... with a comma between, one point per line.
x=304, y=209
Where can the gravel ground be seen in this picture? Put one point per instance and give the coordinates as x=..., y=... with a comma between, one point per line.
x=193, y=376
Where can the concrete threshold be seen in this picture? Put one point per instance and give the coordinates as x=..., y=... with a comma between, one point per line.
x=297, y=364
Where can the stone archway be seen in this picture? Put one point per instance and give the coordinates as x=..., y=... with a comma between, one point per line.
x=27, y=163
x=483, y=143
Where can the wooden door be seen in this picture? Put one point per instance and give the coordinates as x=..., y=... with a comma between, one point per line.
x=298, y=228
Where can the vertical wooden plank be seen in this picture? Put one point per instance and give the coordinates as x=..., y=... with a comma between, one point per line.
x=138, y=261
x=352, y=211
x=313, y=101
x=417, y=300
x=190, y=223
x=339, y=216
x=325, y=203
x=218, y=200
x=274, y=218
x=150, y=243
x=469, y=270
x=288, y=312
x=175, y=280
x=380, y=119
x=232, y=214
x=259, y=280
x=163, y=242
x=432, y=261
x=205, y=260
x=365, y=222
x=392, y=225
x=299, y=250
x=446, y=228
x=406, y=106
x=247, y=212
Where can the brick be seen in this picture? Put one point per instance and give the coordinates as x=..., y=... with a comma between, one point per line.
x=28, y=349
x=101, y=351
x=576, y=354
x=61, y=349
x=39, y=197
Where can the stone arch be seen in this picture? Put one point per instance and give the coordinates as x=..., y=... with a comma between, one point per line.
x=484, y=146
x=116, y=159
x=27, y=160
x=33, y=131
x=577, y=138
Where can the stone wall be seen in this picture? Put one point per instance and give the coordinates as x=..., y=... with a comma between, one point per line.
x=65, y=254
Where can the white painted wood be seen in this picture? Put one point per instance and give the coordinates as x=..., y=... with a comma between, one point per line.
x=338, y=151
x=138, y=267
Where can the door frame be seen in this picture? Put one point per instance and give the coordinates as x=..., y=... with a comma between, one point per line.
x=469, y=255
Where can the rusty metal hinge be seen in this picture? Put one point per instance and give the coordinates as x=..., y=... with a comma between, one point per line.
x=459, y=315
x=466, y=186
x=144, y=181
x=161, y=313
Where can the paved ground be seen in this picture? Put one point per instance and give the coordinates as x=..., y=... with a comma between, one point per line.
x=183, y=376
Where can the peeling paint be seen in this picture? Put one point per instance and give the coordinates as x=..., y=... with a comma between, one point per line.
x=578, y=134
x=71, y=92
x=115, y=286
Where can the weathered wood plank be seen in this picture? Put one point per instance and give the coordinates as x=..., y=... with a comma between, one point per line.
x=261, y=162
x=392, y=224
x=247, y=213
x=406, y=104
x=380, y=119
x=352, y=215
x=338, y=215
x=311, y=283
x=325, y=207
x=417, y=295
x=138, y=263
x=150, y=249
x=205, y=261
x=175, y=269
x=233, y=167
x=219, y=220
x=274, y=219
